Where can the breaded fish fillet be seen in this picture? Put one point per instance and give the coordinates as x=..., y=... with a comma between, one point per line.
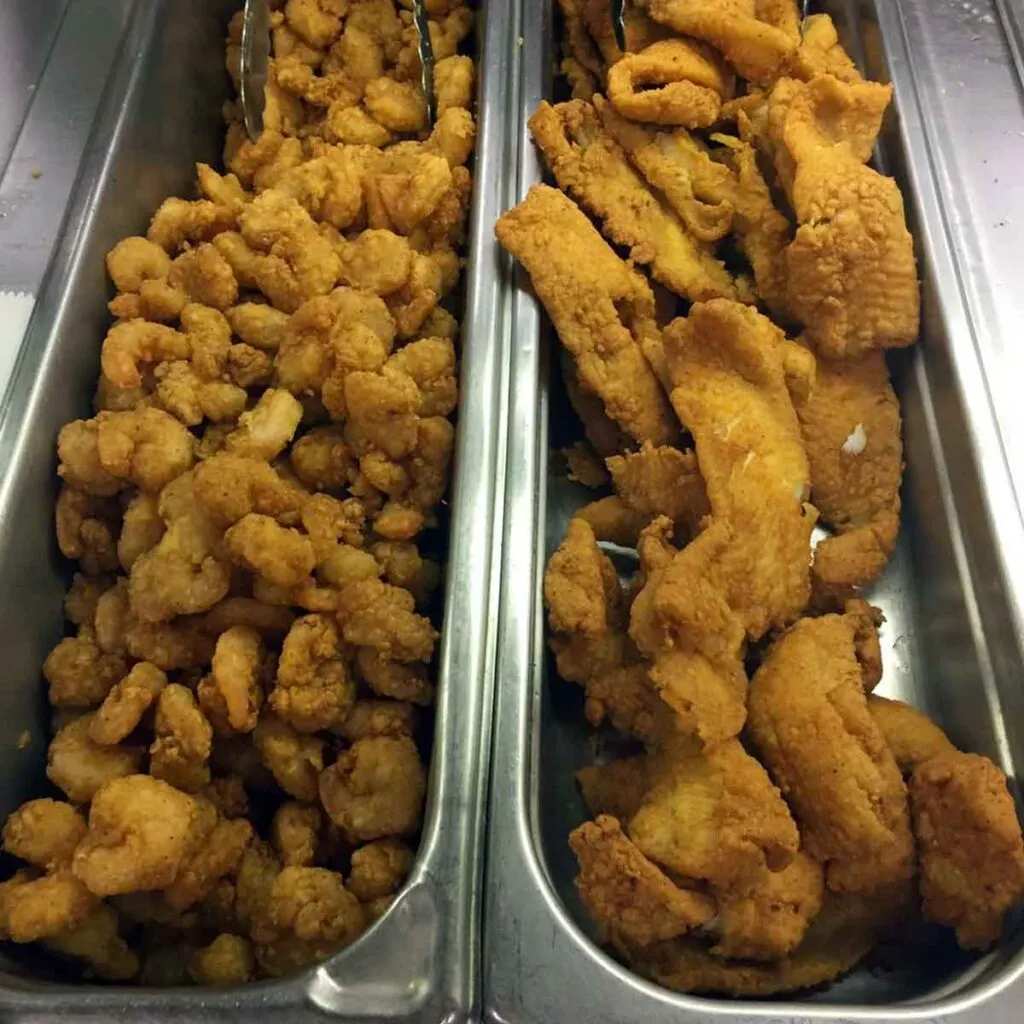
x=969, y=842
x=911, y=735
x=603, y=310
x=684, y=626
x=626, y=893
x=755, y=47
x=732, y=370
x=712, y=196
x=590, y=165
x=852, y=276
x=714, y=817
x=659, y=480
x=809, y=721
x=767, y=918
x=841, y=935
x=851, y=428
x=587, y=616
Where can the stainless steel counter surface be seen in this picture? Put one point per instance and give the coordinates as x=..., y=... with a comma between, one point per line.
x=27, y=31
x=55, y=59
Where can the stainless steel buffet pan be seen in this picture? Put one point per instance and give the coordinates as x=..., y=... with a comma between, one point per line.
x=954, y=634
x=420, y=962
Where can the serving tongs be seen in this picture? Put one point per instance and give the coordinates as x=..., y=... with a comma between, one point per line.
x=619, y=23
x=255, y=61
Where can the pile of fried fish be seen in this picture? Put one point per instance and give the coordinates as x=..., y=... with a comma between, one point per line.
x=780, y=820
x=236, y=708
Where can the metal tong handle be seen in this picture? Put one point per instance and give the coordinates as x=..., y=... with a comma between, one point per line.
x=619, y=23
x=426, y=51
x=254, y=62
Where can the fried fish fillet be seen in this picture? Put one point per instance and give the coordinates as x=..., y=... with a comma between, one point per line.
x=911, y=735
x=809, y=721
x=851, y=272
x=659, y=480
x=602, y=309
x=965, y=823
x=590, y=165
x=603, y=433
x=678, y=166
x=640, y=30
x=712, y=196
x=683, y=624
x=767, y=917
x=841, y=935
x=587, y=615
x=626, y=893
x=714, y=817
x=824, y=111
x=672, y=81
x=732, y=371
x=969, y=842
x=851, y=429
x=820, y=52
x=756, y=48
x=852, y=276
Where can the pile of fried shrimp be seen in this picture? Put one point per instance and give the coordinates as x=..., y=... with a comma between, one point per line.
x=240, y=702
x=725, y=272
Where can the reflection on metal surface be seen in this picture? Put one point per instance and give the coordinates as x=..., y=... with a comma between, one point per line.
x=955, y=630
x=55, y=58
x=254, y=61
x=426, y=54
x=27, y=32
x=420, y=962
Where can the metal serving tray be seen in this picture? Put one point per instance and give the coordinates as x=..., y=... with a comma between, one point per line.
x=954, y=637
x=420, y=962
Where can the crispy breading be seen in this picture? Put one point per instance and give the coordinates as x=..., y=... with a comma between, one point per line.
x=841, y=935
x=678, y=166
x=640, y=30
x=615, y=520
x=672, y=81
x=586, y=611
x=626, y=893
x=683, y=624
x=141, y=833
x=767, y=918
x=912, y=737
x=731, y=370
x=807, y=715
x=603, y=433
x=824, y=111
x=820, y=53
x=40, y=908
x=662, y=481
x=756, y=48
x=375, y=789
x=852, y=276
x=713, y=816
x=851, y=431
x=591, y=166
x=44, y=833
x=315, y=689
x=603, y=311
x=79, y=766
x=969, y=843
x=379, y=869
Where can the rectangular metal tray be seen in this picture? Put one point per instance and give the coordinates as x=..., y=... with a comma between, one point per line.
x=953, y=637
x=161, y=114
